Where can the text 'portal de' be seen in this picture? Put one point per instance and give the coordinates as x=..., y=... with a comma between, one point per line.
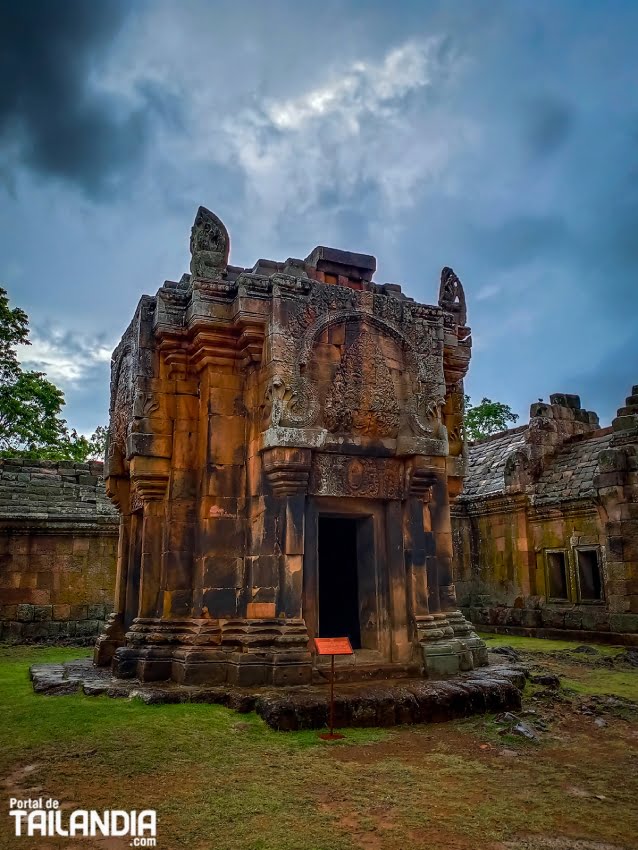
x=284, y=442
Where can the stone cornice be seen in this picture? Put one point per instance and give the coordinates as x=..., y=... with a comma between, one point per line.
x=490, y=505
x=61, y=525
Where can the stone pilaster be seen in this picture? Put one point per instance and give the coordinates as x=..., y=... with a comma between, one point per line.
x=617, y=485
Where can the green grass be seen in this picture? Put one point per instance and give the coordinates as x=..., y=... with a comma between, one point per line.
x=531, y=644
x=224, y=780
x=598, y=682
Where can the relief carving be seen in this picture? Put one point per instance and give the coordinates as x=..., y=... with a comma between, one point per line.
x=209, y=245
x=389, y=309
x=453, y=418
x=292, y=399
x=362, y=399
x=121, y=406
x=338, y=475
x=289, y=404
x=452, y=296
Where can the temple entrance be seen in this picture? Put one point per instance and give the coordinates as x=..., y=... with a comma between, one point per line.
x=339, y=603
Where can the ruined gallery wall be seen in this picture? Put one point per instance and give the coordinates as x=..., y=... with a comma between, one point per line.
x=546, y=527
x=58, y=544
x=503, y=571
x=489, y=550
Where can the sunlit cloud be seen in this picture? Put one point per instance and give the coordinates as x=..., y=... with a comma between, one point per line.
x=64, y=357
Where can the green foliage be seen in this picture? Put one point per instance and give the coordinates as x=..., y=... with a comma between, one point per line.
x=30, y=405
x=14, y=331
x=29, y=412
x=79, y=448
x=488, y=417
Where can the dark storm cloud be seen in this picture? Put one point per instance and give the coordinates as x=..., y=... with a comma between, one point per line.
x=548, y=123
x=52, y=118
x=521, y=239
x=605, y=384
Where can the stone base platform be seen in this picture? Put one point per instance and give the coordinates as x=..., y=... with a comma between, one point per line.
x=384, y=703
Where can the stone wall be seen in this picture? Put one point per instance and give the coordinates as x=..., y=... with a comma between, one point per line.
x=58, y=547
x=545, y=529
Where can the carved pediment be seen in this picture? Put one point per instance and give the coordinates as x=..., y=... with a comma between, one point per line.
x=362, y=398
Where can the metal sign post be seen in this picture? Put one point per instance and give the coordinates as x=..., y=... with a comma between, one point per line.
x=332, y=647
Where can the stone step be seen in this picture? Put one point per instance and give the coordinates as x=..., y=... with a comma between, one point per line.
x=366, y=672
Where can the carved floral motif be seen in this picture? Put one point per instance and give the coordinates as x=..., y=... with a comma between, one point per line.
x=341, y=475
x=288, y=404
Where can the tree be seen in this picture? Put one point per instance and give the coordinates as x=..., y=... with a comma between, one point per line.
x=30, y=405
x=73, y=446
x=488, y=417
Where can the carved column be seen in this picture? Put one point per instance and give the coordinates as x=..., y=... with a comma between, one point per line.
x=448, y=642
x=112, y=636
x=287, y=471
x=430, y=623
x=151, y=559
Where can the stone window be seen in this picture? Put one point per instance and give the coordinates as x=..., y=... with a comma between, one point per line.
x=556, y=573
x=589, y=576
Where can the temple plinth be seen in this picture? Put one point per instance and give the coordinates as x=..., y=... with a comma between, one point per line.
x=283, y=444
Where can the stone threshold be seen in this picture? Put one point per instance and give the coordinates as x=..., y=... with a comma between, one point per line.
x=384, y=703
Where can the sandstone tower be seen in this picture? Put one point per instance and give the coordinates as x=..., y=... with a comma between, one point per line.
x=283, y=444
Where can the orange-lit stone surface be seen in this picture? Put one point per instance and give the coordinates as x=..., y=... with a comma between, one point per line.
x=250, y=410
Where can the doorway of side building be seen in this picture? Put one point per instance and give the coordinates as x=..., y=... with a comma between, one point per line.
x=339, y=604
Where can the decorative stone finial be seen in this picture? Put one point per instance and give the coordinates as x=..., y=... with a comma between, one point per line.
x=210, y=245
x=452, y=296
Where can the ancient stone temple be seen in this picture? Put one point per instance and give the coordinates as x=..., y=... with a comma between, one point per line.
x=546, y=528
x=283, y=444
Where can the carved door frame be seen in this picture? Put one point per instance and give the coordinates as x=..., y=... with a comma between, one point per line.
x=374, y=608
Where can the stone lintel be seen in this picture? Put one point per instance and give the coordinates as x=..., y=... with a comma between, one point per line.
x=310, y=438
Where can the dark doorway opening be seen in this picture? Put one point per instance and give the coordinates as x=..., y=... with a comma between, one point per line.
x=338, y=580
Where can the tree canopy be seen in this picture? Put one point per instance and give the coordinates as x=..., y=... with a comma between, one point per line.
x=488, y=417
x=30, y=404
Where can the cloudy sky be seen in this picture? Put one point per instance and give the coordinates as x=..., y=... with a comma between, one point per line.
x=500, y=138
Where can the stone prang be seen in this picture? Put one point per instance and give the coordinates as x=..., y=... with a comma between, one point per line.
x=283, y=443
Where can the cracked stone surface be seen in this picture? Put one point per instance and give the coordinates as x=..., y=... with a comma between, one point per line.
x=383, y=703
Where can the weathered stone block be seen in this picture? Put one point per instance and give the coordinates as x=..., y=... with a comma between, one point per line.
x=221, y=602
x=623, y=622
x=25, y=613
x=42, y=612
x=553, y=618
x=87, y=627
x=573, y=620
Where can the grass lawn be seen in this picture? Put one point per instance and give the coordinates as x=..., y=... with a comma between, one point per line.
x=580, y=673
x=224, y=781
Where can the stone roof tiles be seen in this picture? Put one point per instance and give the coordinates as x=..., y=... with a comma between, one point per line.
x=567, y=475
x=570, y=472
x=486, y=463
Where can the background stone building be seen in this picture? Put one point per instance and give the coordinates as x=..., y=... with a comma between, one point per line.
x=546, y=527
x=58, y=543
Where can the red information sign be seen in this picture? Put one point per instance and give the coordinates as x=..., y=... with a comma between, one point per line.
x=333, y=646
